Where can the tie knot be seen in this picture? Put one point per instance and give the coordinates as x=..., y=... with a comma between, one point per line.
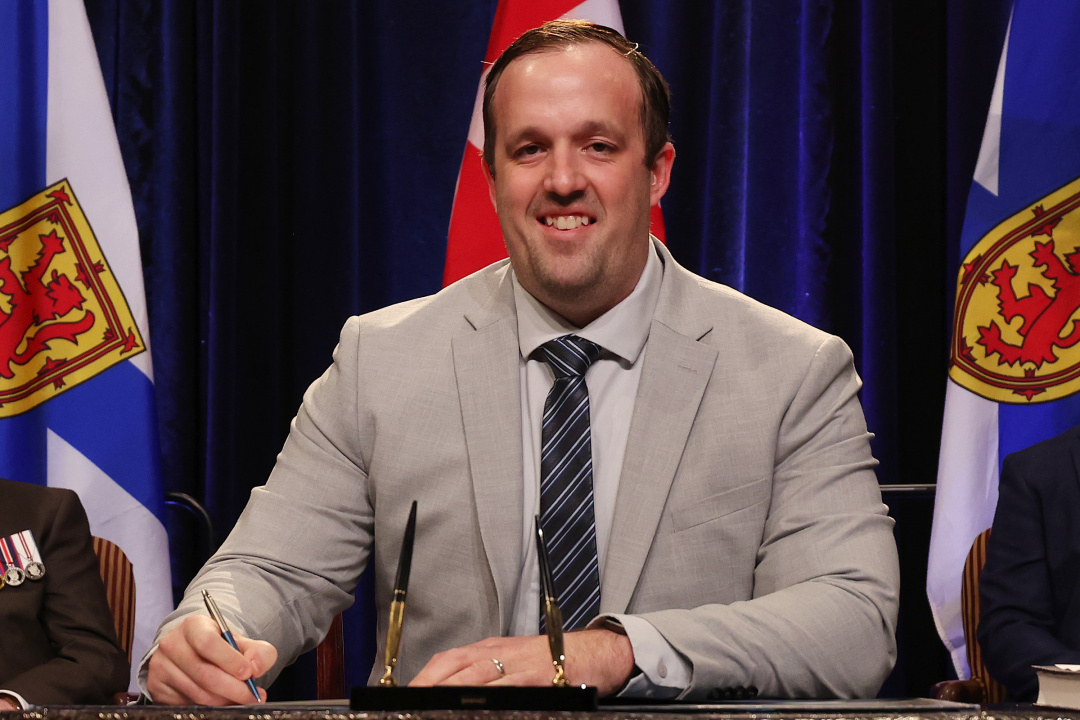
x=569, y=355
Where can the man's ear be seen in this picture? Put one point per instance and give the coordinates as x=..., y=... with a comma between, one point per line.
x=660, y=173
x=490, y=177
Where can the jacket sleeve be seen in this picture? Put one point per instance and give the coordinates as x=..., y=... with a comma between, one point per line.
x=88, y=665
x=821, y=619
x=294, y=557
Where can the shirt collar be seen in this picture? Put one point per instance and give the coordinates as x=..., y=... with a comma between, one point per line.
x=622, y=330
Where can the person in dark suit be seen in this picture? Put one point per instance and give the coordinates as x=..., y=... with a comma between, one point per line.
x=57, y=640
x=1030, y=586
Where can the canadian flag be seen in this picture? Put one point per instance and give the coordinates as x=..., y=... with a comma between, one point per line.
x=475, y=239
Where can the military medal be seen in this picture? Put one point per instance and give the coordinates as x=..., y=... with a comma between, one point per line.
x=32, y=564
x=13, y=574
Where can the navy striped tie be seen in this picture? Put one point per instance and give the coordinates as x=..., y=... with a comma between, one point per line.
x=566, y=491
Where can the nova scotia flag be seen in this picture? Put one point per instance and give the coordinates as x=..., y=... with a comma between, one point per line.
x=76, y=405
x=1015, y=359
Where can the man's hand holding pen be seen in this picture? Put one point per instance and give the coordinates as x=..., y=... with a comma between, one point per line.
x=201, y=662
x=599, y=658
x=194, y=665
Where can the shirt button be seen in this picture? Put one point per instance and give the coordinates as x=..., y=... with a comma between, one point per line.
x=661, y=669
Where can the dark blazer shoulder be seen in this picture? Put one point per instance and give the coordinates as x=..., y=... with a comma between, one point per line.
x=1046, y=461
x=29, y=505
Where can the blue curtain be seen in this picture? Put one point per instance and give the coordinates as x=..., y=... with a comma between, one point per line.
x=294, y=163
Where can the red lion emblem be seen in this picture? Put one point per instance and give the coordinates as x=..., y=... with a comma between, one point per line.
x=38, y=308
x=1045, y=318
x=63, y=316
x=1016, y=332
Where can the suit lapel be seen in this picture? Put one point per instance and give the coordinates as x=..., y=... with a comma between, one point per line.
x=673, y=378
x=486, y=367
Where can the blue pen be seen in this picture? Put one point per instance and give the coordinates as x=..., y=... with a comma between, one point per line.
x=211, y=607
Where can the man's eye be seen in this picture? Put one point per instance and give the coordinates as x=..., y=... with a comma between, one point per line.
x=528, y=150
x=600, y=147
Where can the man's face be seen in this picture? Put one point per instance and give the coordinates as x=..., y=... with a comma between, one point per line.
x=570, y=182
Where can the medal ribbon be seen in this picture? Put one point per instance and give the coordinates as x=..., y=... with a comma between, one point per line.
x=30, y=549
x=10, y=553
x=5, y=559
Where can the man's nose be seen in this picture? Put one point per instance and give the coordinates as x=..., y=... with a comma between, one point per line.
x=565, y=178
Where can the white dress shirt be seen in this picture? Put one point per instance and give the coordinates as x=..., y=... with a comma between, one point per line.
x=623, y=333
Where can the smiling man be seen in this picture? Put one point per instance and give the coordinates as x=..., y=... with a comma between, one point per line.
x=699, y=462
x=571, y=177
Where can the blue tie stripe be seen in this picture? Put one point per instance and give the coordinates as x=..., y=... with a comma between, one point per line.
x=570, y=415
x=566, y=494
x=562, y=539
x=559, y=463
x=559, y=496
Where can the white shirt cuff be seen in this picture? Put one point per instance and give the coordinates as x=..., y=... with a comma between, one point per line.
x=16, y=697
x=664, y=672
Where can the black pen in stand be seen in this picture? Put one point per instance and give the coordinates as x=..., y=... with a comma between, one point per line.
x=397, y=605
x=212, y=608
x=552, y=614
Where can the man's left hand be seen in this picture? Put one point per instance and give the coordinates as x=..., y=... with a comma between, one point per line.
x=599, y=658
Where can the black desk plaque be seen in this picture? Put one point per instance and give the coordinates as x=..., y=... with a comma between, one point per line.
x=473, y=698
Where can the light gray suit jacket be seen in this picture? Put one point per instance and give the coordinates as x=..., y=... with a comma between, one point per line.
x=748, y=525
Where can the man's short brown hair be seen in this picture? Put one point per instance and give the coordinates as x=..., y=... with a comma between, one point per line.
x=561, y=34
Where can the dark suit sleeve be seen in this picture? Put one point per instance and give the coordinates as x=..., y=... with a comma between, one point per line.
x=1018, y=627
x=88, y=665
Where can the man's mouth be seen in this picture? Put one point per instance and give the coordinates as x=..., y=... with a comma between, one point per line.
x=566, y=222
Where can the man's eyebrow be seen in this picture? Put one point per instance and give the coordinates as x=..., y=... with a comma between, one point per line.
x=587, y=129
x=525, y=133
x=597, y=127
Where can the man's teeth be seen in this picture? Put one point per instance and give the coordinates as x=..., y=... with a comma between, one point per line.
x=566, y=222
